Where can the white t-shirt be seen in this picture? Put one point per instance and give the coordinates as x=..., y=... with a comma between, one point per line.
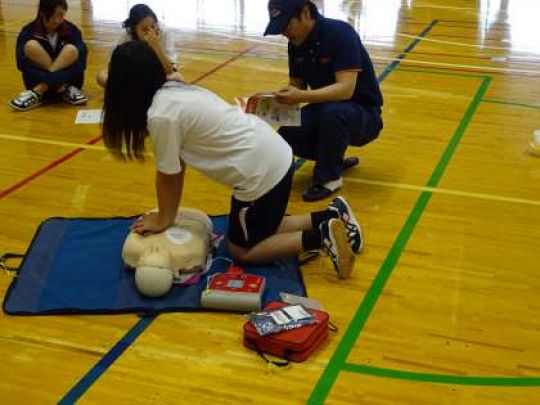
x=221, y=141
x=53, y=40
x=165, y=40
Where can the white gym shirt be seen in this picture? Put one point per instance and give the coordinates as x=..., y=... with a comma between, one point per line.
x=219, y=140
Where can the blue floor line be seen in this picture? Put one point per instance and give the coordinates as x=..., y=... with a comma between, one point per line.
x=103, y=364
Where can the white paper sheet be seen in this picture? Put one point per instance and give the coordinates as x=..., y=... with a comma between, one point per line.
x=88, y=117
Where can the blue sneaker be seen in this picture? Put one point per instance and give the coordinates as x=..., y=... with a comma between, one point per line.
x=354, y=231
x=335, y=245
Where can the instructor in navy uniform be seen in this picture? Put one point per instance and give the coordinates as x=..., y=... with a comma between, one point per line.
x=329, y=69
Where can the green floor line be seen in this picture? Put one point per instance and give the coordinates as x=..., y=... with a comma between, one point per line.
x=523, y=105
x=456, y=139
x=338, y=360
x=443, y=379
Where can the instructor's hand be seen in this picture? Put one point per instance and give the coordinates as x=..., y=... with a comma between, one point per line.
x=290, y=95
x=149, y=224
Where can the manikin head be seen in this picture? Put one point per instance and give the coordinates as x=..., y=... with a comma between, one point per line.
x=154, y=274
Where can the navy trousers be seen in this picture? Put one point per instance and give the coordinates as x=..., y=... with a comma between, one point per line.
x=327, y=130
x=33, y=75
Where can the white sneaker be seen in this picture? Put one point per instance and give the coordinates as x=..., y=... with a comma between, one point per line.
x=26, y=100
x=534, y=148
x=74, y=96
x=534, y=145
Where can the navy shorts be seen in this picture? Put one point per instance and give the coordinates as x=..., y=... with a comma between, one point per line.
x=253, y=221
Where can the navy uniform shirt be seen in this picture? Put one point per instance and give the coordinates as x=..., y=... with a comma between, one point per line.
x=333, y=46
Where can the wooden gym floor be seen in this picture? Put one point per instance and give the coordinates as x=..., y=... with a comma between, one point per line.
x=443, y=306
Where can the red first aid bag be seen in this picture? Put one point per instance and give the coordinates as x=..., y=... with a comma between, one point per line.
x=295, y=344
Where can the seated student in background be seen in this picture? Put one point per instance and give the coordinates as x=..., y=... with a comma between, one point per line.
x=51, y=55
x=142, y=24
x=190, y=125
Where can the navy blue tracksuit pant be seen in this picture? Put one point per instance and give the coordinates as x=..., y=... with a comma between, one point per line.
x=327, y=129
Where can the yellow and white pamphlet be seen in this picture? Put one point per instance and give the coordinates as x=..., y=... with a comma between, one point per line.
x=266, y=107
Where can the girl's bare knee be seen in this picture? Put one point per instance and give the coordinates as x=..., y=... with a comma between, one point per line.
x=239, y=254
x=71, y=50
x=101, y=78
x=30, y=47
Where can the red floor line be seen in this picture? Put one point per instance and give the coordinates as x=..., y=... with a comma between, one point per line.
x=223, y=64
x=45, y=169
x=69, y=155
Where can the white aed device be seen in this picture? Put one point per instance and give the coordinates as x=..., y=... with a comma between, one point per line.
x=233, y=290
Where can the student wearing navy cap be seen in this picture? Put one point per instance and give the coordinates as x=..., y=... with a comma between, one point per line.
x=329, y=69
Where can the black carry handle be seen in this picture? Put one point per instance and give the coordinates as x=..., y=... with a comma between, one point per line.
x=331, y=326
x=283, y=363
x=7, y=256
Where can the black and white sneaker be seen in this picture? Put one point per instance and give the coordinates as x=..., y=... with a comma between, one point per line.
x=26, y=100
x=73, y=95
x=354, y=231
x=335, y=245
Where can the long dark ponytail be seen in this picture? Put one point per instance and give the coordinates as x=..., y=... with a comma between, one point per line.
x=135, y=75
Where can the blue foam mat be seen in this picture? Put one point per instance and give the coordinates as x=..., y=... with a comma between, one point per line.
x=74, y=265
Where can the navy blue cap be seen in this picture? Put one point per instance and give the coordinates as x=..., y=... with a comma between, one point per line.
x=281, y=11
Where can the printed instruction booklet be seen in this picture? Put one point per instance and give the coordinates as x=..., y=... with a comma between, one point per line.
x=266, y=107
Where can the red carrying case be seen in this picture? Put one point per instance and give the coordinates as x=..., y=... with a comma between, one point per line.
x=295, y=344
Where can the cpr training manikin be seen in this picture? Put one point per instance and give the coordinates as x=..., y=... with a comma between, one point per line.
x=160, y=258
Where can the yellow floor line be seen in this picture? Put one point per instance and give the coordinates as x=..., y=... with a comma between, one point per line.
x=51, y=142
x=437, y=190
x=401, y=186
